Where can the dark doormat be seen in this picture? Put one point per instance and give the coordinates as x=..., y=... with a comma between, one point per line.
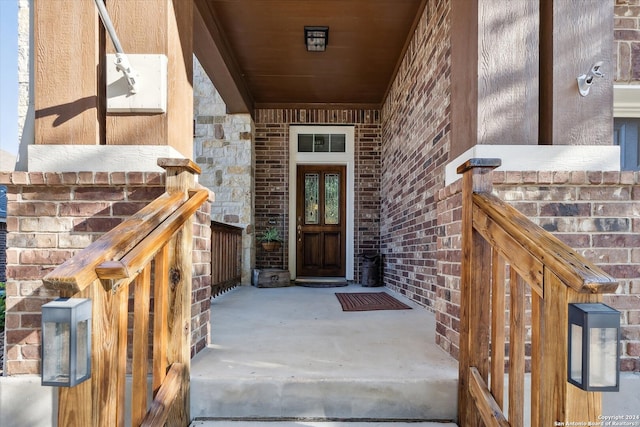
x=368, y=301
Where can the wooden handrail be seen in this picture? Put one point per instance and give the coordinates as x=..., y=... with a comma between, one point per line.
x=113, y=272
x=571, y=267
x=160, y=234
x=77, y=273
x=496, y=236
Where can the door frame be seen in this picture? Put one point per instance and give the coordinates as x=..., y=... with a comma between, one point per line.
x=347, y=159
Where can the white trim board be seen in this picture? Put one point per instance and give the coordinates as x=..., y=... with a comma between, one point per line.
x=348, y=159
x=98, y=158
x=626, y=100
x=541, y=158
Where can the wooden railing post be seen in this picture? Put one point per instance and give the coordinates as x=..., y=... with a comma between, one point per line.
x=180, y=178
x=474, y=294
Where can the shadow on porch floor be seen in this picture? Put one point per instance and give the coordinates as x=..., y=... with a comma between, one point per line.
x=293, y=353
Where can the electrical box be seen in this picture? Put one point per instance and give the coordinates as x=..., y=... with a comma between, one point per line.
x=150, y=73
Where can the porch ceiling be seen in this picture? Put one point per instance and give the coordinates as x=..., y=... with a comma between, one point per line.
x=254, y=51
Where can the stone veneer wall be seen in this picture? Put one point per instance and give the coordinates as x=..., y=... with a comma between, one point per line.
x=416, y=135
x=627, y=40
x=596, y=213
x=26, y=114
x=51, y=216
x=272, y=174
x=222, y=146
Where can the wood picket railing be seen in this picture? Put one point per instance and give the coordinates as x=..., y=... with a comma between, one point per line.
x=504, y=252
x=150, y=251
x=226, y=257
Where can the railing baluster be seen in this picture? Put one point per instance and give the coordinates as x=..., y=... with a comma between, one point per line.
x=122, y=306
x=536, y=359
x=516, y=349
x=160, y=308
x=497, y=327
x=140, y=345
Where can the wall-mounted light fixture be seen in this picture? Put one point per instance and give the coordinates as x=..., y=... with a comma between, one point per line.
x=316, y=38
x=586, y=80
x=66, y=342
x=594, y=347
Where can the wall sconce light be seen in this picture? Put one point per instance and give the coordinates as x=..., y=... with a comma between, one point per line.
x=316, y=38
x=594, y=347
x=586, y=80
x=66, y=342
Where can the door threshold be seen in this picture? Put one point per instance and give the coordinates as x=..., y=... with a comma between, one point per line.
x=321, y=282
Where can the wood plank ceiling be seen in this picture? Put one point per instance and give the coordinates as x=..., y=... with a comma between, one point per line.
x=254, y=50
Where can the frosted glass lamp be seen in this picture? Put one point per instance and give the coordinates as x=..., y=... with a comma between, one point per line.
x=594, y=347
x=66, y=342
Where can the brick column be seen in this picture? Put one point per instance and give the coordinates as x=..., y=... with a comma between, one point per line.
x=51, y=216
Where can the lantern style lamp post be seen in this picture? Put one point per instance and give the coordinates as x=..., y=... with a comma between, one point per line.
x=594, y=347
x=66, y=342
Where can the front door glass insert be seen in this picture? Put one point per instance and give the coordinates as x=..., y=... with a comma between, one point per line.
x=332, y=199
x=311, y=190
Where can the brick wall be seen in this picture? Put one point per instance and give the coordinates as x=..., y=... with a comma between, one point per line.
x=596, y=213
x=272, y=174
x=416, y=125
x=52, y=216
x=627, y=40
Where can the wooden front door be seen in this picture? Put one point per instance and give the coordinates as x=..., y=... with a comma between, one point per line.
x=320, y=221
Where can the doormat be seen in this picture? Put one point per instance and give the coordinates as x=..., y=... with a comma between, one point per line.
x=369, y=301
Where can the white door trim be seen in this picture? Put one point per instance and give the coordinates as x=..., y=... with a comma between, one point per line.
x=348, y=159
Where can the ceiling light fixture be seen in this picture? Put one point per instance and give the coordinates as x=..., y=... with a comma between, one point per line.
x=316, y=38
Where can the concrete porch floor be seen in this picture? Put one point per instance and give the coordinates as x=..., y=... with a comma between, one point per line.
x=292, y=353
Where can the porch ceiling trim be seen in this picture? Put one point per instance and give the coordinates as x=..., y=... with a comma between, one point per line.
x=213, y=52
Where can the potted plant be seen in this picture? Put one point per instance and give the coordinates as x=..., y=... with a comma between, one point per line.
x=270, y=239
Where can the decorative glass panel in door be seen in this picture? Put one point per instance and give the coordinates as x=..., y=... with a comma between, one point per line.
x=311, y=186
x=332, y=198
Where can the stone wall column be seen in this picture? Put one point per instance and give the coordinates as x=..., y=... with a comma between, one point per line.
x=224, y=149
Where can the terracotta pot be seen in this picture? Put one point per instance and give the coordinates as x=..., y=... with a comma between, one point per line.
x=271, y=246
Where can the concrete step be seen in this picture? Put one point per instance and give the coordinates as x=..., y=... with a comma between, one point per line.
x=306, y=423
x=292, y=353
x=415, y=399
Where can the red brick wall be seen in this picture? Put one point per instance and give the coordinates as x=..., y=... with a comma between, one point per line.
x=416, y=129
x=272, y=174
x=52, y=216
x=627, y=40
x=595, y=213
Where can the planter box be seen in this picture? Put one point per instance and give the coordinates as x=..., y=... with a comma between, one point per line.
x=270, y=278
